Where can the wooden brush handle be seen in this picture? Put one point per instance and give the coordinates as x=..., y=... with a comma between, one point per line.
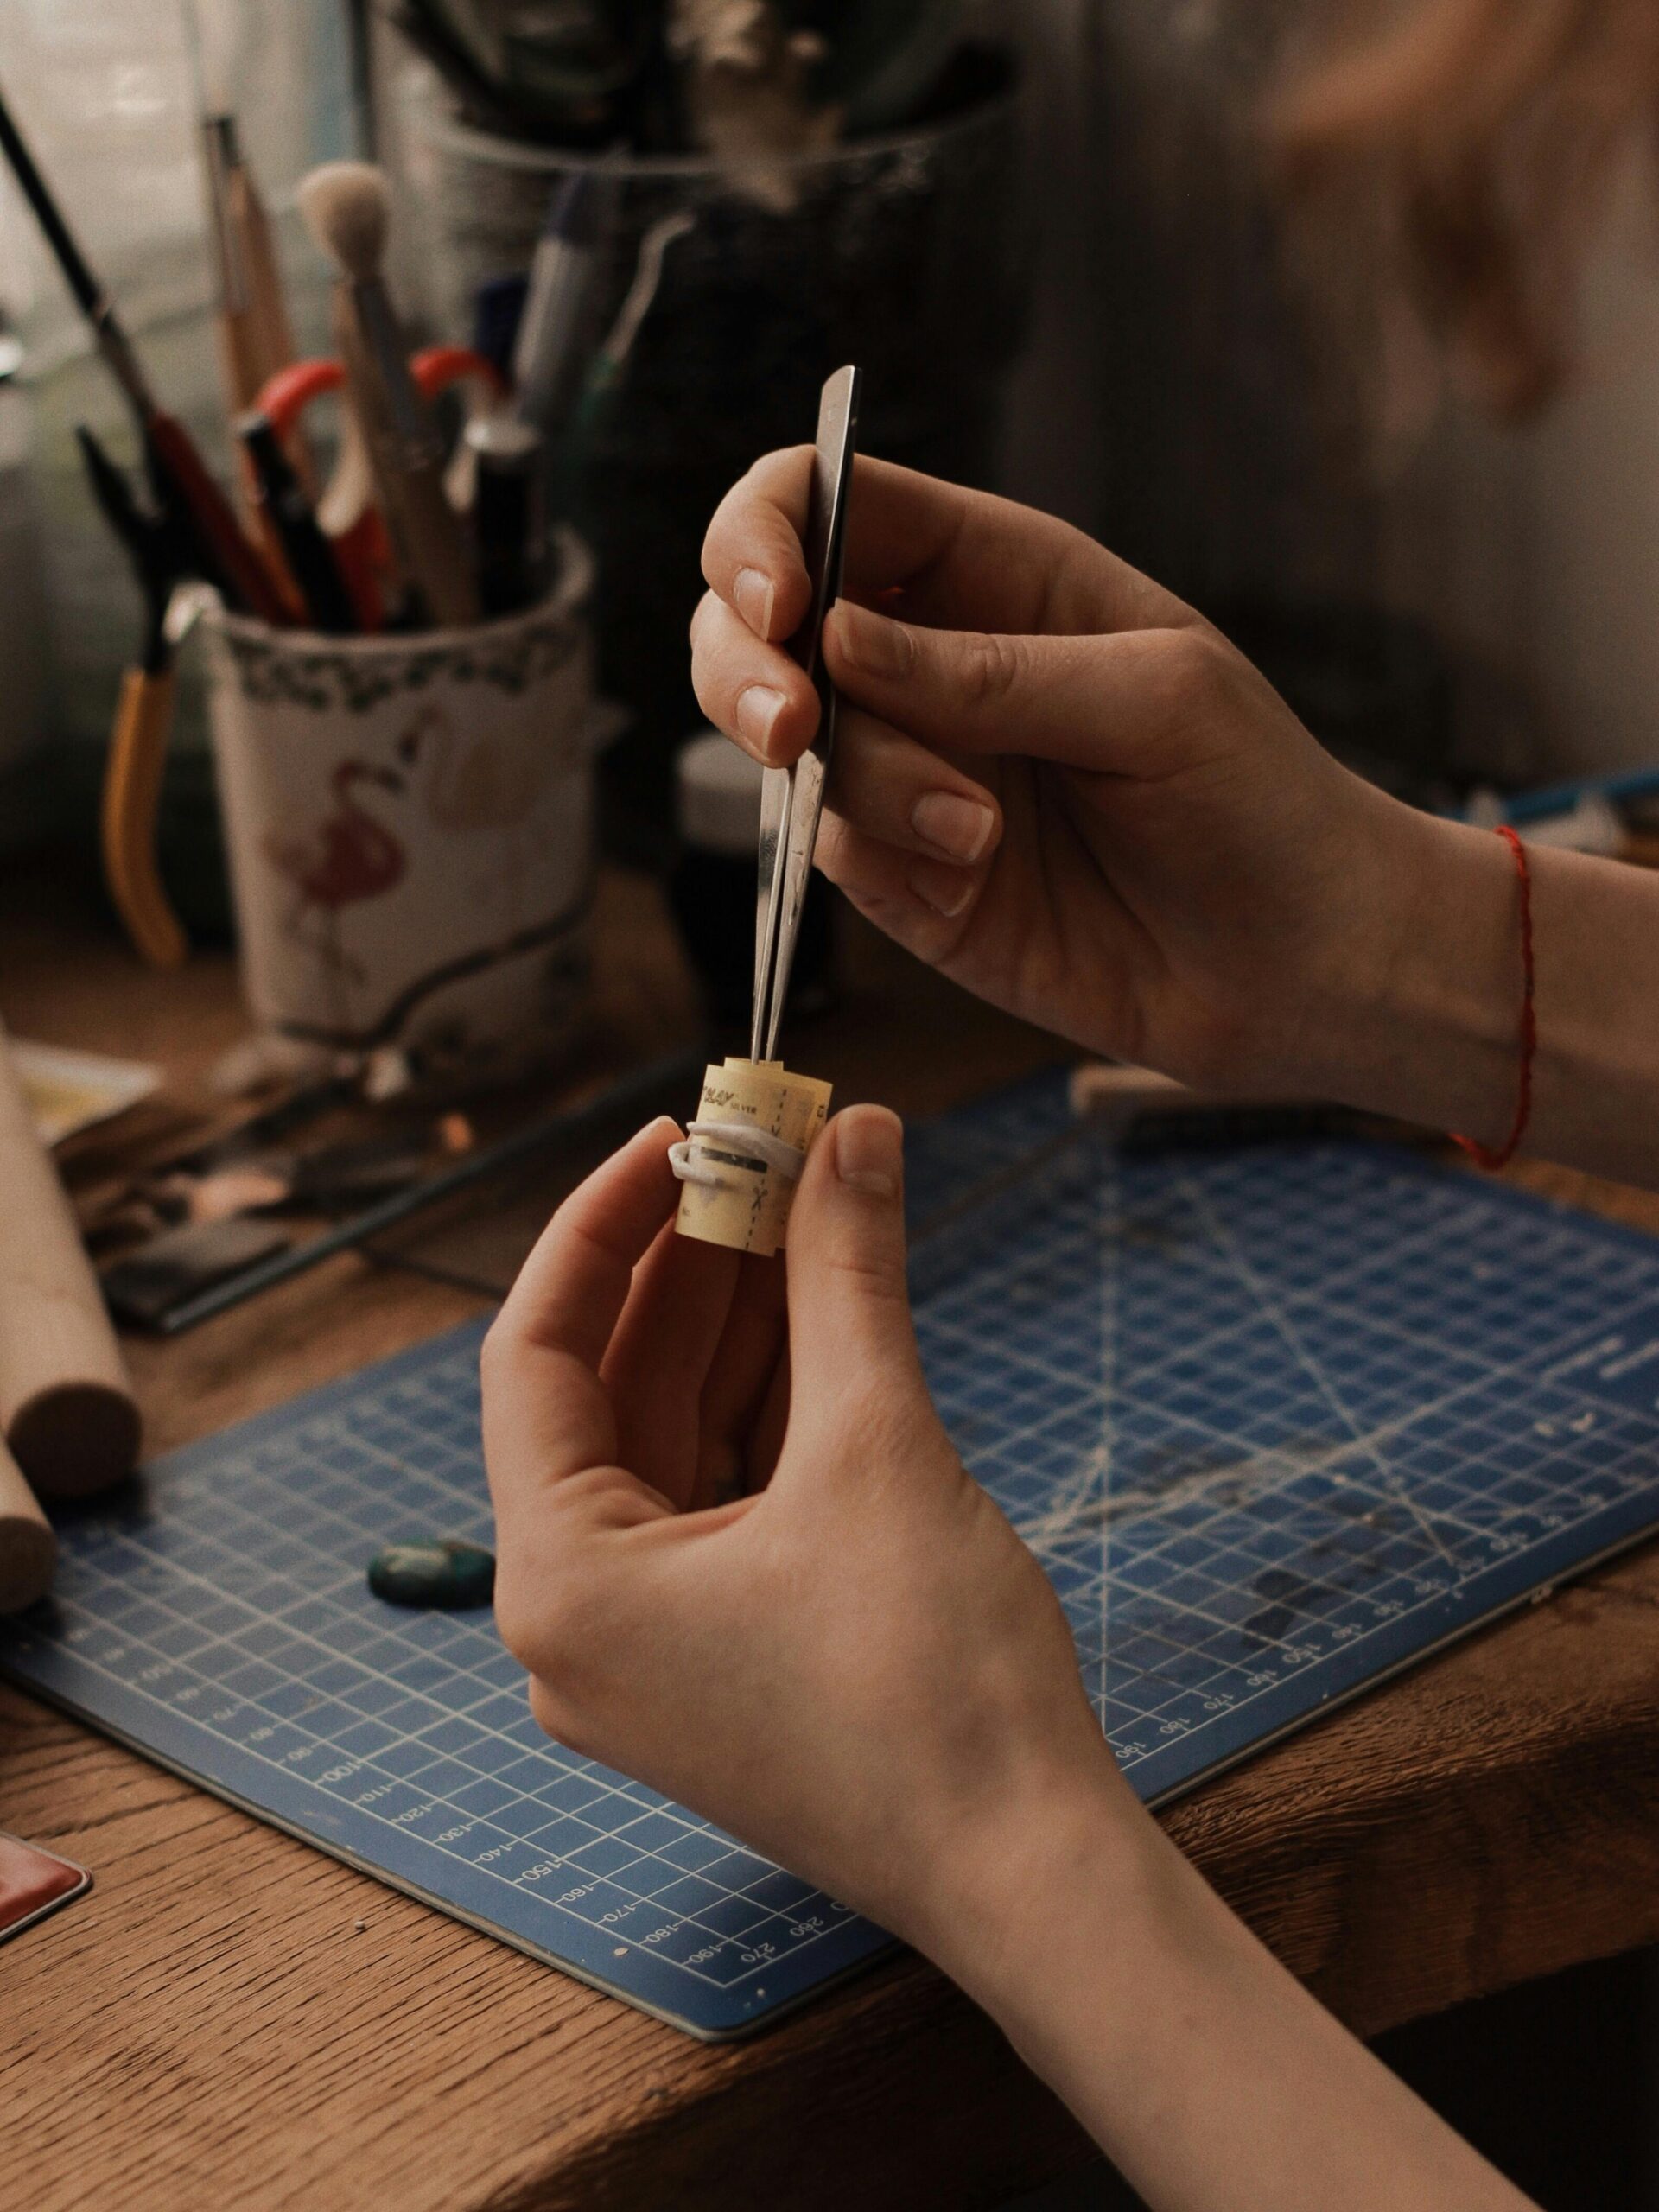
x=256, y=344
x=425, y=529
x=266, y=296
x=67, y=1409
x=29, y=1549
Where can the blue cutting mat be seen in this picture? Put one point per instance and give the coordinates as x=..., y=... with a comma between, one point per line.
x=1276, y=1421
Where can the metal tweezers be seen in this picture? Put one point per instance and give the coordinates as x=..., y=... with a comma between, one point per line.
x=791, y=799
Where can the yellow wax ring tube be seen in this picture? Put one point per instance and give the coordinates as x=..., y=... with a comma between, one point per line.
x=743, y=1153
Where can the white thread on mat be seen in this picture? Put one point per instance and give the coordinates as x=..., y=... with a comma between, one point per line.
x=692, y=1162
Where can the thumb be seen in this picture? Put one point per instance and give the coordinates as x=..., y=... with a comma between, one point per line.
x=1109, y=702
x=849, y=1322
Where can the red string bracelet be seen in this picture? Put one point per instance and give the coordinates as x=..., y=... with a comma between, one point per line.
x=1506, y=1151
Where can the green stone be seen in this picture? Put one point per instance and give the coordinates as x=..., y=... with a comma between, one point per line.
x=434, y=1571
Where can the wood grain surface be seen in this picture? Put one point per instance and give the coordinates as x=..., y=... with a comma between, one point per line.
x=233, y=2020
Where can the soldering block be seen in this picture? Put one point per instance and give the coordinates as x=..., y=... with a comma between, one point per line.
x=734, y=1197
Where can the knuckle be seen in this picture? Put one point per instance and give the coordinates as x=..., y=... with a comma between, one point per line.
x=545, y=1617
x=1199, y=667
x=991, y=668
x=875, y=1275
x=558, y=1717
x=783, y=465
x=519, y=1614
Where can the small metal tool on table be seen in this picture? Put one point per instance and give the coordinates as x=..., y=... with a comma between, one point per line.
x=791, y=799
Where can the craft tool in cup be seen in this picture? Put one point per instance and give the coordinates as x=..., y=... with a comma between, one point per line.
x=605, y=373
x=226, y=557
x=255, y=341
x=159, y=554
x=254, y=337
x=347, y=209
x=67, y=1413
x=349, y=493
x=509, y=511
x=550, y=352
x=306, y=551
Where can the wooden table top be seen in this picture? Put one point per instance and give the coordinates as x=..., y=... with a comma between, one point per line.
x=233, y=2018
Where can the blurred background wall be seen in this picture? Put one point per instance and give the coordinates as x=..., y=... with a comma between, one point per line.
x=1537, y=548
x=1228, y=409
x=1249, y=427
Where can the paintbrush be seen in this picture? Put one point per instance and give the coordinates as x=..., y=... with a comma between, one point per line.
x=551, y=351
x=345, y=206
x=224, y=556
x=256, y=339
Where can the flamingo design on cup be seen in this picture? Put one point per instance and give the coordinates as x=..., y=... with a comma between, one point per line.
x=349, y=857
x=409, y=824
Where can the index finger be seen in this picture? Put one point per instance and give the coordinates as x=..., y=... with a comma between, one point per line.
x=547, y=1417
x=962, y=559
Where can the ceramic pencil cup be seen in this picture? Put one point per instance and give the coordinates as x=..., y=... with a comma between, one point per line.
x=409, y=823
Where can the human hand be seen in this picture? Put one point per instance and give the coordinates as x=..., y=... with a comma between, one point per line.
x=1059, y=786
x=854, y=1665
x=852, y=1662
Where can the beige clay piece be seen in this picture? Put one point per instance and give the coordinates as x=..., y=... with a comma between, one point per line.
x=29, y=1550
x=67, y=1413
x=743, y=1154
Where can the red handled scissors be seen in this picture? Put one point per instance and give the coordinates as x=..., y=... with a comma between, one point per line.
x=346, y=509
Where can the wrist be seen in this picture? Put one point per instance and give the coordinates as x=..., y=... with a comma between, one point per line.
x=1417, y=1009
x=1078, y=1844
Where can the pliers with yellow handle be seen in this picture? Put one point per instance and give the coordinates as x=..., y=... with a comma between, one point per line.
x=161, y=555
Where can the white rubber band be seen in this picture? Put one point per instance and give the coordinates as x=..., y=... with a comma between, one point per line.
x=692, y=1170
x=690, y=1162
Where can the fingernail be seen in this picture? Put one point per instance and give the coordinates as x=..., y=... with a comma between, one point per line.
x=756, y=714
x=946, y=890
x=870, y=1150
x=961, y=826
x=752, y=595
x=871, y=642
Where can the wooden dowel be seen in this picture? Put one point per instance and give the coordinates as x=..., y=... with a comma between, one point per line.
x=67, y=1412
x=29, y=1550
